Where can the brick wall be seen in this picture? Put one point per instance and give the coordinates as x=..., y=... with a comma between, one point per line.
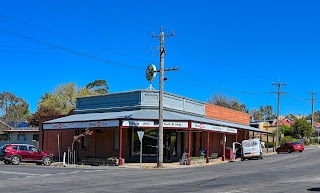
x=225, y=114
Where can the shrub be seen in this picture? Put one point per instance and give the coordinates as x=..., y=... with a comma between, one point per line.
x=287, y=139
x=270, y=144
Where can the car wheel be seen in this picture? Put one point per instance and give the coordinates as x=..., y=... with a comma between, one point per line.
x=278, y=152
x=15, y=160
x=289, y=150
x=39, y=163
x=300, y=151
x=7, y=162
x=47, y=161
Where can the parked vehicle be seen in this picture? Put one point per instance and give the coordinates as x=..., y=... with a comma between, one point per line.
x=2, y=153
x=16, y=153
x=251, y=148
x=290, y=147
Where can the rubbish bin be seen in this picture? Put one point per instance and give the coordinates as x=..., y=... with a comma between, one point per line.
x=229, y=153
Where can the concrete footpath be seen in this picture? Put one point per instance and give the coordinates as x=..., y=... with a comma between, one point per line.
x=165, y=165
x=177, y=164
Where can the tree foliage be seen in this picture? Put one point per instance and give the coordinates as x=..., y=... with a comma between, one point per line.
x=286, y=130
x=14, y=109
x=224, y=101
x=264, y=113
x=63, y=99
x=316, y=116
x=98, y=87
x=302, y=129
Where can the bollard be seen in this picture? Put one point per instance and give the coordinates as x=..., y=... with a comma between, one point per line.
x=64, y=159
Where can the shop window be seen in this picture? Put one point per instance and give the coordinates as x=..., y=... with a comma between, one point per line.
x=83, y=141
x=116, y=139
x=21, y=137
x=35, y=137
x=149, y=144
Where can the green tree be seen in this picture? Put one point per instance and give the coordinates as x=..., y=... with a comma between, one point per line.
x=14, y=109
x=302, y=129
x=224, y=101
x=63, y=99
x=98, y=87
x=316, y=116
x=256, y=114
x=292, y=117
x=264, y=113
x=286, y=130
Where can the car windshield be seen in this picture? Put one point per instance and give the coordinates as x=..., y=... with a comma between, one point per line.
x=3, y=147
x=295, y=143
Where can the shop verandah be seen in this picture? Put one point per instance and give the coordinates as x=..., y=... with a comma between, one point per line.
x=194, y=142
x=118, y=137
x=190, y=126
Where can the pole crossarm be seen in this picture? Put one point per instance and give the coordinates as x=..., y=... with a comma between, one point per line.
x=312, y=103
x=278, y=109
x=162, y=70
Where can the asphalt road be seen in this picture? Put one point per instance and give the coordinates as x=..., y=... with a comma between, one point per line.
x=295, y=172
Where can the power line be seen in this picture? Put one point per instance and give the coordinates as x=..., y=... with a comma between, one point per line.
x=70, y=38
x=68, y=50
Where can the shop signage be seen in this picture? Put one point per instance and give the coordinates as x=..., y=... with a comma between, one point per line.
x=167, y=124
x=213, y=127
x=87, y=124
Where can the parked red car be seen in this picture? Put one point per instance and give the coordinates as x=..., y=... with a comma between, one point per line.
x=16, y=153
x=290, y=147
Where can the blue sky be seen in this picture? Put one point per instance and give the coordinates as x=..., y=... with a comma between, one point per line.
x=235, y=48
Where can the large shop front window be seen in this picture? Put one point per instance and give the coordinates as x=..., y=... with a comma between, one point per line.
x=150, y=143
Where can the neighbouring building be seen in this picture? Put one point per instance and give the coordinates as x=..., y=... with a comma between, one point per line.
x=28, y=135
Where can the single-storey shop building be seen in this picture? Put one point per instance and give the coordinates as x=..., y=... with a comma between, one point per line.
x=189, y=126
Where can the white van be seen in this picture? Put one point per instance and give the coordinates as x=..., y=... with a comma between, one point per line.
x=251, y=148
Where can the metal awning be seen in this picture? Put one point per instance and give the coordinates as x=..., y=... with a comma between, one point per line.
x=111, y=119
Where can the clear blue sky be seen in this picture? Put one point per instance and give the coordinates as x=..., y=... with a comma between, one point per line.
x=235, y=48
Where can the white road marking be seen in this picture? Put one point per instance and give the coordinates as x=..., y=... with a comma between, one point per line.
x=19, y=173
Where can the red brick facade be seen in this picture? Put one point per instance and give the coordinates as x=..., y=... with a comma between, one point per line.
x=225, y=114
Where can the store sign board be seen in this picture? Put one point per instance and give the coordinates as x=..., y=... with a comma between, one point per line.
x=213, y=127
x=79, y=125
x=166, y=124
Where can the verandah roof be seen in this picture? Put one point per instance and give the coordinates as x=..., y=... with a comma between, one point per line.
x=145, y=114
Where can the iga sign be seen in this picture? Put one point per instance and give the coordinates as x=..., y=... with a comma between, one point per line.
x=213, y=128
x=76, y=125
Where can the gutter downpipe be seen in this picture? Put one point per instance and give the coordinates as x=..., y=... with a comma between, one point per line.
x=120, y=145
x=189, y=142
x=208, y=146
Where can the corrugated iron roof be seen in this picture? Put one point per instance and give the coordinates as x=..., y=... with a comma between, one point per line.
x=145, y=114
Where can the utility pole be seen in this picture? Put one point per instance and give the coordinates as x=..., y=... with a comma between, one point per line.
x=312, y=103
x=160, y=133
x=278, y=109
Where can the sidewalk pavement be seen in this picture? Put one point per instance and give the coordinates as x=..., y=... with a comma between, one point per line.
x=177, y=164
x=165, y=165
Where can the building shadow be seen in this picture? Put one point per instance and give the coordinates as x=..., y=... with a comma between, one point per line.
x=314, y=189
